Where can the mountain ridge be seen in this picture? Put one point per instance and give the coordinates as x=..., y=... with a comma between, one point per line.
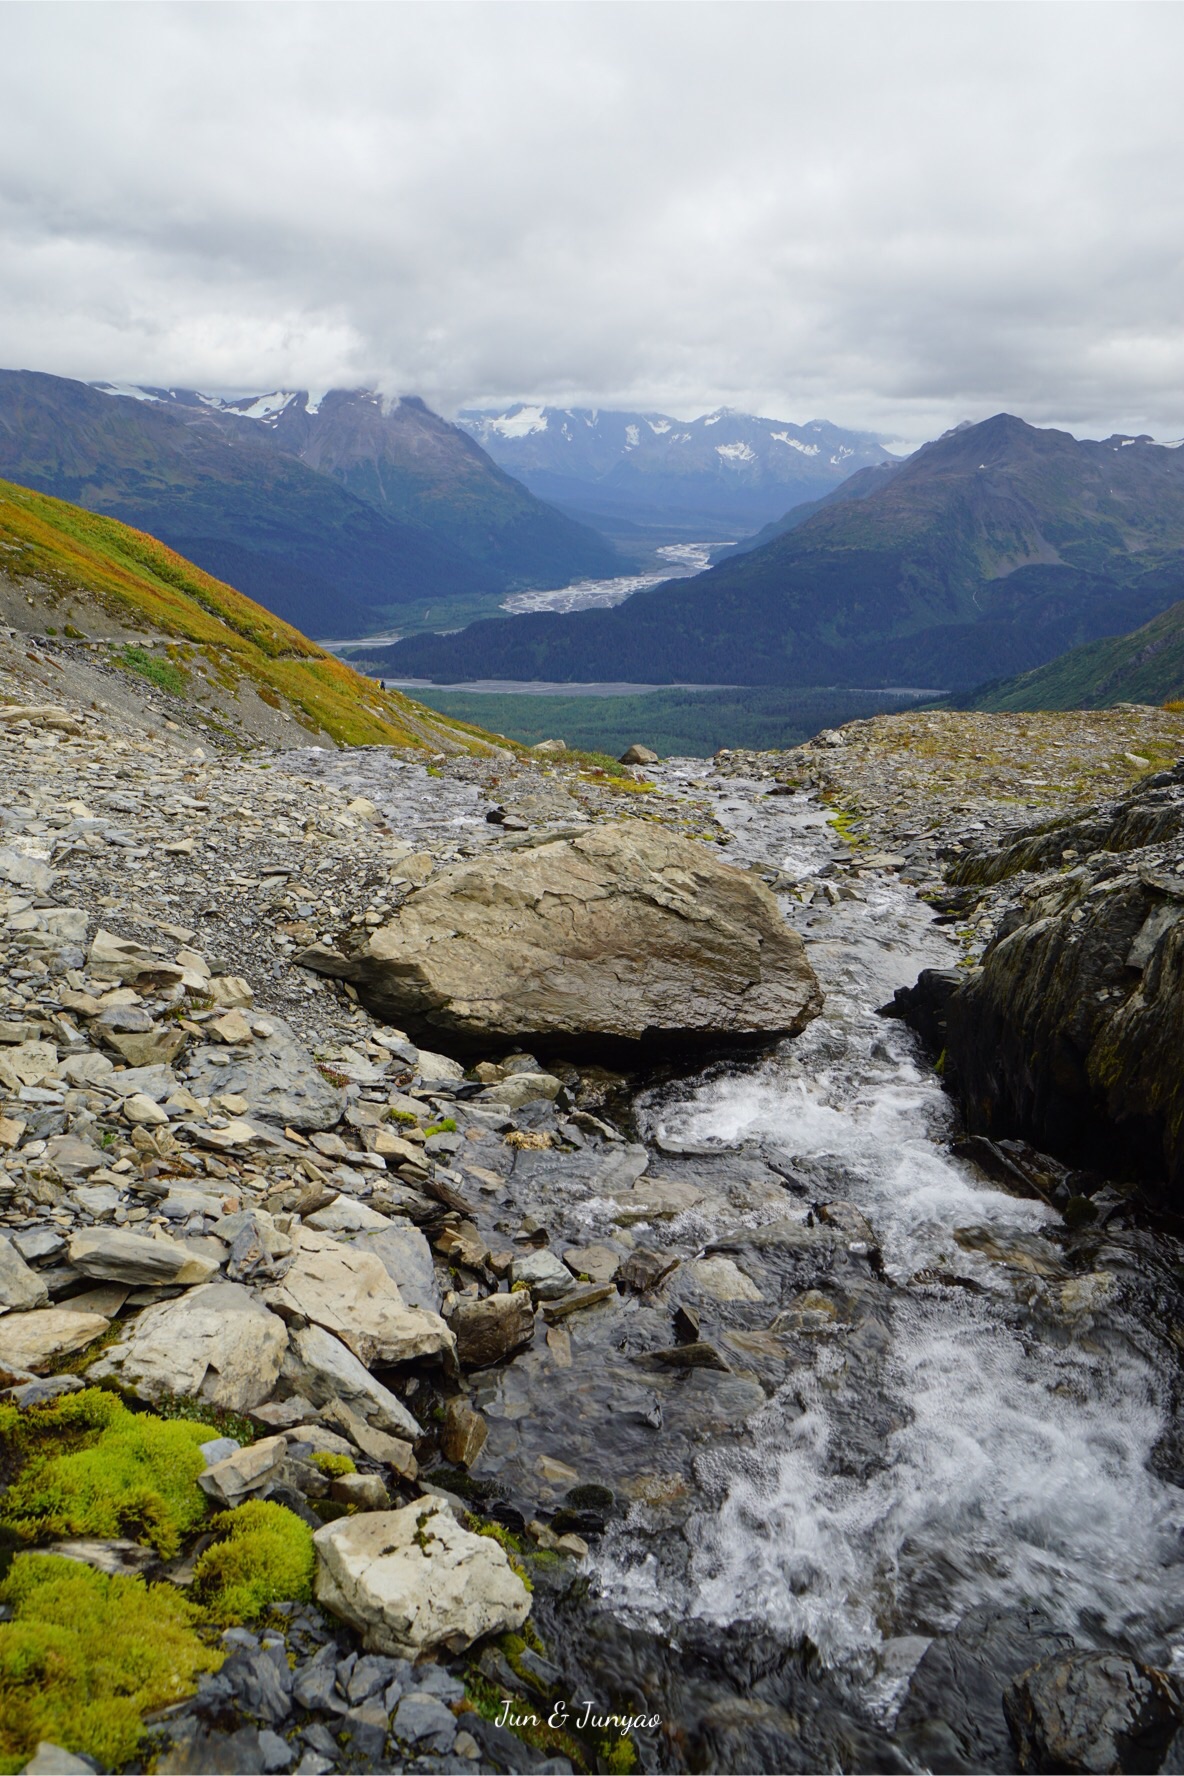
x=987, y=552
x=213, y=482
x=726, y=469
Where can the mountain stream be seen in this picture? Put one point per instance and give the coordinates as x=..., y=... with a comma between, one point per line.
x=919, y=1407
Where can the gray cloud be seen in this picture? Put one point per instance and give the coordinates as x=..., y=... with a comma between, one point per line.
x=893, y=216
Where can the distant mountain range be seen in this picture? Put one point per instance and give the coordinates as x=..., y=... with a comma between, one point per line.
x=340, y=514
x=986, y=553
x=722, y=475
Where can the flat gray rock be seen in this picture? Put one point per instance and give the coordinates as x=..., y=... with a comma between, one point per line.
x=275, y=1074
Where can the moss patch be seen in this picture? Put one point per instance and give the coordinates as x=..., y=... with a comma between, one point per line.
x=333, y=1465
x=85, y=1656
x=265, y=1556
x=93, y=1468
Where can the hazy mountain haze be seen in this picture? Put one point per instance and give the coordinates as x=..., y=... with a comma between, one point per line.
x=892, y=217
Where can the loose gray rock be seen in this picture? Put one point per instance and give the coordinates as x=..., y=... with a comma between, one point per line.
x=20, y=1287
x=114, y=1255
x=276, y=1075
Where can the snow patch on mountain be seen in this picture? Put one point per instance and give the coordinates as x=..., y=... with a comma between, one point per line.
x=265, y=407
x=129, y=389
x=736, y=452
x=796, y=443
x=520, y=422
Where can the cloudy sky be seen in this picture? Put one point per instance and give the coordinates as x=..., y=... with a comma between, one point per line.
x=894, y=216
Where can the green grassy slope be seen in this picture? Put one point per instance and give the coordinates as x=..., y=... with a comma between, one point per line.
x=1146, y=666
x=104, y=565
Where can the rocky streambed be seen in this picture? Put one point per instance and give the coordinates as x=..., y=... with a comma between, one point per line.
x=726, y=1412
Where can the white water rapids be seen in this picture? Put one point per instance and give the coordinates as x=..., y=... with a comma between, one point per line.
x=1018, y=1473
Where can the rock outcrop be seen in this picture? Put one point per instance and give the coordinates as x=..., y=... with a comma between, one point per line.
x=1071, y=1030
x=607, y=937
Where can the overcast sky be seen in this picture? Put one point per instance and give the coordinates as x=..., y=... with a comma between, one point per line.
x=893, y=216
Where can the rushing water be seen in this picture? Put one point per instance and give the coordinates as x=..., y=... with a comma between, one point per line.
x=1018, y=1469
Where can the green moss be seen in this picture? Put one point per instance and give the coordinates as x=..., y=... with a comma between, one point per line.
x=505, y=1539
x=265, y=1556
x=85, y=1656
x=162, y=673
x=447, y=1126
x=402, y=1116
x=333, y=1465
x=218, y=1419
x=96, y=1469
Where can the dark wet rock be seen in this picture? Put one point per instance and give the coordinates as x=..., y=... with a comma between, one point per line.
x=489, y=1331
x=620, y=934
x=925, y=1006
x=1069, y=1032
x=463, y=1433
x=1092, y=1712
x=952, y=1715
x=699, y=1355
x=644, y=1269
x=213, y=1753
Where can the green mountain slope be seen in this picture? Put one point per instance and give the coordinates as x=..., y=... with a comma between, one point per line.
x=217, y=485
x=988, y=552
x=109, y=578
x=1146, y=666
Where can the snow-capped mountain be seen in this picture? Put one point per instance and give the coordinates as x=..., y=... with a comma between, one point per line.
x=341, y=511
x=734, y=468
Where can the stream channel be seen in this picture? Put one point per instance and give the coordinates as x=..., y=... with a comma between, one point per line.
x=933, y=1410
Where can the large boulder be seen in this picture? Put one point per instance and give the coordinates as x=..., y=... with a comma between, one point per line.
x=623, y=933
x=413, y=1579
x=217, y=1343
x=1087, y=1711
